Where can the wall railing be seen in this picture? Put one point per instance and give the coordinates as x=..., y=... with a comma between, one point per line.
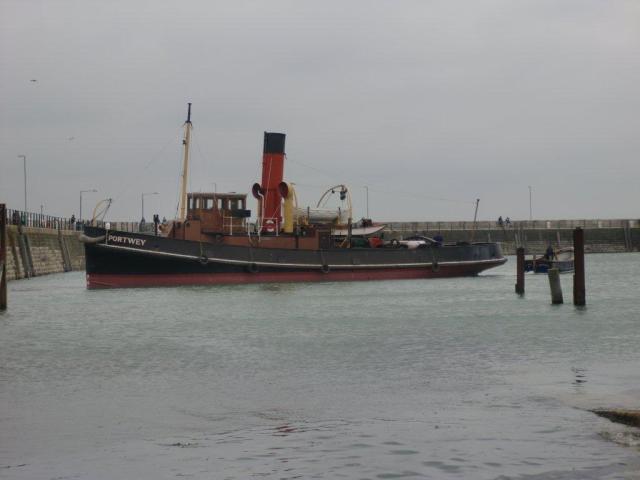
x=512, y=225
x=39, y=220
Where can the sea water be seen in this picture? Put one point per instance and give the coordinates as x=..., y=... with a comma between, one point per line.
x=451, y=378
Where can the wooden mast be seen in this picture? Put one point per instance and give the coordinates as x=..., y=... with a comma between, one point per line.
x=185, y=167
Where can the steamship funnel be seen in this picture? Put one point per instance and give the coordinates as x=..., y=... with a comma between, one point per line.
x=272, y=174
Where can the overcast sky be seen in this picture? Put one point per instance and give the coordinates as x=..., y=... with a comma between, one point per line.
x=431, y=104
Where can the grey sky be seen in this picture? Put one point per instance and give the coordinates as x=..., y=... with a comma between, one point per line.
x=430, y=103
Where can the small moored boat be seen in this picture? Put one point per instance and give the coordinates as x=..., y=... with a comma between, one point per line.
x=562, y=259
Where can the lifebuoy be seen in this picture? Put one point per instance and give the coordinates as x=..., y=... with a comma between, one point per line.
x=203, y=260
x=435, y=267
x=325, y=268
x=270, y=226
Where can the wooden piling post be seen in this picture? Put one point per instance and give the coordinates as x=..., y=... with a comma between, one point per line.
x=520, y=271
x=3, y=257
x=579, y=296
x=556, y=287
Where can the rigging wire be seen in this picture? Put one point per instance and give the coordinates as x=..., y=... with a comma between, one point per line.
x=205, y=163
x=125, y=188
x=382, y=190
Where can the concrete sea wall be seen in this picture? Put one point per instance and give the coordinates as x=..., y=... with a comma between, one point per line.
x=39, y=251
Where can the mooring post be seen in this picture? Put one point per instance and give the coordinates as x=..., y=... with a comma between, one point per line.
x=520, y=271
x=579, y=297
x=556, y=288
x=3, y=257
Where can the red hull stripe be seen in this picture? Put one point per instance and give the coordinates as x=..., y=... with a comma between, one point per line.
x=105, y=280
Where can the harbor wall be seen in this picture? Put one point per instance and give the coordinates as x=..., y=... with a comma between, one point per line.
x=32, y=251
x=598, y=239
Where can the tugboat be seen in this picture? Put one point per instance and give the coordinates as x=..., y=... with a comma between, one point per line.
x=212, y=242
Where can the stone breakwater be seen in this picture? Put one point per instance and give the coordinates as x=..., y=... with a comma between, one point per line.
x=33, y=251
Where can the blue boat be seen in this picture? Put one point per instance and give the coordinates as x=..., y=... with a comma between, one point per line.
x=562, y=259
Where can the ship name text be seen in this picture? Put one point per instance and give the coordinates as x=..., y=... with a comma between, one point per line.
x=138, y=242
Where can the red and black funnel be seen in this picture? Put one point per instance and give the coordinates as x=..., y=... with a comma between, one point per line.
x=272, y=174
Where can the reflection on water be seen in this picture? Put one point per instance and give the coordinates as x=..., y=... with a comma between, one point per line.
x=451, y=378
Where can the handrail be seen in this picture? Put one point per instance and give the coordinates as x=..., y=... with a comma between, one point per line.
x=513, y=225
x=39, y=220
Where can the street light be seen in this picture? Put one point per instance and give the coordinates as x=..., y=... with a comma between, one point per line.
x=150, y=193
x=530, y=210
x=81, y=192
x=24, y=158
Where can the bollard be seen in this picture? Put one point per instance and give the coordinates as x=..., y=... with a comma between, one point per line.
x=3, y=257
x=556, y=288
x=520, y=271
x=579, y=296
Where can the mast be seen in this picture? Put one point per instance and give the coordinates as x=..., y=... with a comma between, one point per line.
x=185, y=167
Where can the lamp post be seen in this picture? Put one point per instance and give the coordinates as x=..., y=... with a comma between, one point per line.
x=530, y=210
x=81, y=192
x=367, y=190
x=24, y=159
x=142, y=197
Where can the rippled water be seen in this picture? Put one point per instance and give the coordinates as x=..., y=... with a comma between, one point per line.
x=451, y=378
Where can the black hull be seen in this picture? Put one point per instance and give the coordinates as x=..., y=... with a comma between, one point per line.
x=122, y=259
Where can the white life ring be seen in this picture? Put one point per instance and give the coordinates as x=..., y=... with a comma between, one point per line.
x=270, y=226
